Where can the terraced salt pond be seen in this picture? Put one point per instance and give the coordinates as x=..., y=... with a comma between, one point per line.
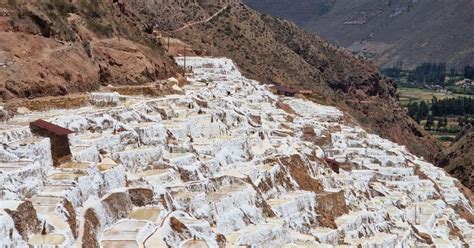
x=220, y=165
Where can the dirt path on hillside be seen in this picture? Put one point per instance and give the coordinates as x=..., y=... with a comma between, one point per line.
x=200, y=22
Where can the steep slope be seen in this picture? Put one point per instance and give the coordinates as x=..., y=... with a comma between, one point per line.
x=459, y=159
x=387, y=31
x=55, y=47
x=301, y=13
x=226, y=163
x=272, y=50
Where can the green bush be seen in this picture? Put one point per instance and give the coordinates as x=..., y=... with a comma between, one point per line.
x=446, y=138
x=61, y=7
x=91, y=8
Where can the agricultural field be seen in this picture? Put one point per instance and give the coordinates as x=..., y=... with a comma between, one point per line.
x=407, y=95
x=443, y=118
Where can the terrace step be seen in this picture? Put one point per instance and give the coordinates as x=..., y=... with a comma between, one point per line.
x=123, y=234
x=46, y=240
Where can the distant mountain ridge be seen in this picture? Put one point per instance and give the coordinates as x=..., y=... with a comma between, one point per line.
x=411, y=31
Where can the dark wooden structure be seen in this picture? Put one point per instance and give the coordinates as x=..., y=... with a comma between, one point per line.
x=285, y=91
x=305, y=92
x=60, y=150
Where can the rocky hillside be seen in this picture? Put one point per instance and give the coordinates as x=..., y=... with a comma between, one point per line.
x=224, y=163
x=272, y=50
x=387, y=31
x=55, y=47
x=459, y=159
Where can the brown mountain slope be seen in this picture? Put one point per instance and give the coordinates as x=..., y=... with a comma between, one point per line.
x=56, y=47
x=387, y=31
x=459, y=159
x=272, y=50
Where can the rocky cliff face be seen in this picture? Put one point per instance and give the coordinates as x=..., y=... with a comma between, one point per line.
x=387, y=31
x=53, y=48
x=222, y=163
x=459, y=159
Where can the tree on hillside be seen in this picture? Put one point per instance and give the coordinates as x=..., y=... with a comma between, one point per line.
x=469, y=72
x=418, y=119
x=439, y=125
x=429, y=122
x=423, y=110
x=413, y=109
x=442, y=123
x=431, y=73
x=461, y=121
x=452, y=72
x=434, y=105
x=391, y=72
x=394, y=71
x=452, y=106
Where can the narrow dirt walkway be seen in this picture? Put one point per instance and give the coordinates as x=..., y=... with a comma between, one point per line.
x=199, y=22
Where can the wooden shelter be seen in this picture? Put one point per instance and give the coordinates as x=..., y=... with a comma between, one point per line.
x=285, y=91
x=60, y=150
x=306, y=92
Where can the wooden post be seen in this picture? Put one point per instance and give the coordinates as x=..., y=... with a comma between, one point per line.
x=184, y=60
